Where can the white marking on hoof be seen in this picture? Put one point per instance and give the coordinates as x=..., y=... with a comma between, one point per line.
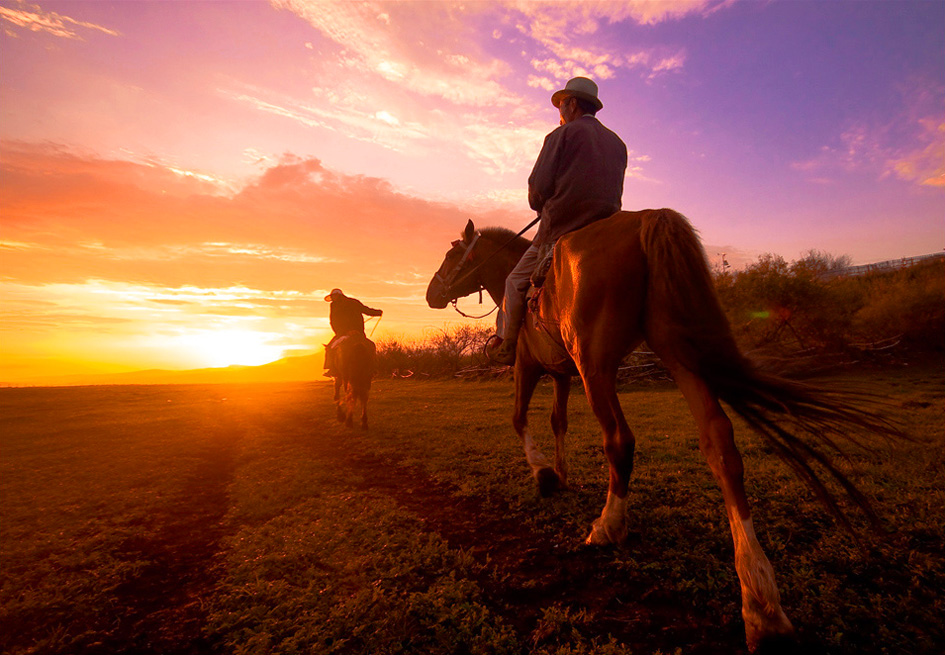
x=536, y=459
x=611, y=527
x=761, y=601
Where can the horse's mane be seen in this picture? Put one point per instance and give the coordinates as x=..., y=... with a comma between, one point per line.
x=502, y=235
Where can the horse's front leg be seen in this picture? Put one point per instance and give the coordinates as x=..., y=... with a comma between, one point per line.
x=559, y=425
x=619, y=444
x=526, y=379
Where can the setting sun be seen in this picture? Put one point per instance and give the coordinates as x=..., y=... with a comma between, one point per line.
x=212, y=348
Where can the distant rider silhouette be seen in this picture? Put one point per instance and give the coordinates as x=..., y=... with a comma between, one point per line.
x=346, y=319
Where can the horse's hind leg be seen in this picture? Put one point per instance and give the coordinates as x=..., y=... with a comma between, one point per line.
x=364, y=399
x=559, y=425
x=526, y=379
x=349, y=406
x=765, y=621
x=619, y=444
x=339, y=399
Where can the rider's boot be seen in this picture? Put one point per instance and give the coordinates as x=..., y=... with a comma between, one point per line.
x=501, y=350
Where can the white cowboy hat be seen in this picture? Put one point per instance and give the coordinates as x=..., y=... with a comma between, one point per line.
x=334, y=292
x=579, y=87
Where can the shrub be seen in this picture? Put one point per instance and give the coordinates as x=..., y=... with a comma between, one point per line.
x=775, y=307
x=810, y=305
x=441, y=352
x=909, y=303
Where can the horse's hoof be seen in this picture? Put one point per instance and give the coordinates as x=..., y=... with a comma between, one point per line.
x=548, y=482
x=768, y=631
x=605, y=535
x=783, y=644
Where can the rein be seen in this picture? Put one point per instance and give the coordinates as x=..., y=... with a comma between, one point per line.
x=464, y=314
x=378, y=322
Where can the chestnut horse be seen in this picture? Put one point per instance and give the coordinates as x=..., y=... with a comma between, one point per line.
x=644, y=276
x=354, y=370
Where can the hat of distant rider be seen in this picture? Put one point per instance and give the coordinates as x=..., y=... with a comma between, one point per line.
x=334, y=293
x=580, y=87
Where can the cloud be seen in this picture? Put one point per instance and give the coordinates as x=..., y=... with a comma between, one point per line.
x=292, y=233
x=353, y=119
x=380, y=39
x=101, y=253
x=495, y=145
x=584, y=17
x=925, y=163
x=35, y=19
x=148, y=325
x=908, y=145
x=419, y=79
x=858, y=146
x=557, y=27
x=912, y=152
x=148, y=221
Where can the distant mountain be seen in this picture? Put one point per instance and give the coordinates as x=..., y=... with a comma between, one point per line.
x=305, y=368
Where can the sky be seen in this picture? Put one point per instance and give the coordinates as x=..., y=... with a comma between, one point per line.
x=181, y=183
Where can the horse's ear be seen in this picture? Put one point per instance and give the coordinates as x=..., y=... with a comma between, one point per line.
x=469, y=232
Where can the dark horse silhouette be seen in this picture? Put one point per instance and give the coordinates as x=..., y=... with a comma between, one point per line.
x=644, y=275
x=354, y=370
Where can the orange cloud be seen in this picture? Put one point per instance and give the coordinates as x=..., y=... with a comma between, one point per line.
x=925, y=164
x=132, y=262
x=34, y=19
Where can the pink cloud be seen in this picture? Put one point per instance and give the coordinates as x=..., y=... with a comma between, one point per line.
x=68, y=218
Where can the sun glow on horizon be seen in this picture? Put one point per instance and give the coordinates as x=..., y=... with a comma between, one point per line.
x=233, y=347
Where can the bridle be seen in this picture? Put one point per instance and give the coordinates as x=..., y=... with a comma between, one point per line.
x=449, y=279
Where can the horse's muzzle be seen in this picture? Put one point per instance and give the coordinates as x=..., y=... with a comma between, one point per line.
x=437, y=298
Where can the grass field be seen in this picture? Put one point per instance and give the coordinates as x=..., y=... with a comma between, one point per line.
x=245, y=519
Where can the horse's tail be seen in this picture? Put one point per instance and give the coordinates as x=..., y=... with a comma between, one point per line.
x=697, y=334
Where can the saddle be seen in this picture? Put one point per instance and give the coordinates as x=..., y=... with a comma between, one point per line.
x=546, y=256
x=533, y=299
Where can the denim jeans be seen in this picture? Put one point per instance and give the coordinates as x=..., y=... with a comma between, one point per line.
x=516, y=286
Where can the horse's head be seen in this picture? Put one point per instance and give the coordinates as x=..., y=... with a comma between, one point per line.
x=453, y=279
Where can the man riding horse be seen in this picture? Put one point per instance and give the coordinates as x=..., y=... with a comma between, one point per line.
x=345, y=319
x=577, y=180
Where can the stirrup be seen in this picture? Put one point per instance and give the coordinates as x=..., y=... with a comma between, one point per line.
x=502, y=353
